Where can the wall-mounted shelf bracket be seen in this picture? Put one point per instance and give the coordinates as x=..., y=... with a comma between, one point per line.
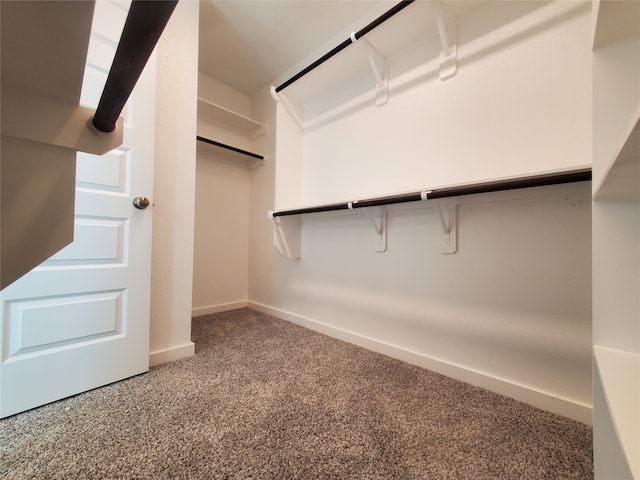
x=284, y=101
x=287, y=235
x=262, y=130
x=447, y=32
x=378, y=217
x=379, y=66
x=447, y=214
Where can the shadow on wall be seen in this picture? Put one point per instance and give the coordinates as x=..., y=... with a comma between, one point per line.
x=481, y=34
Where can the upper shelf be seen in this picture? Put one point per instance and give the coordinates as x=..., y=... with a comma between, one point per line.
x=614, y=20
x=229, y=118
x=389, y=34
x=621, y=180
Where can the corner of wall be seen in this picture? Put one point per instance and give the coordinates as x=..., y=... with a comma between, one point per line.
x=174, y=186
x=171, y=354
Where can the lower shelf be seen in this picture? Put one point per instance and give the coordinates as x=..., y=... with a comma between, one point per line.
x=620, y=376
x=569, y=176
x=229, y=147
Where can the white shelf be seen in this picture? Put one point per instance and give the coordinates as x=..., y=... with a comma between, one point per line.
x=614, y=20
x=229, y=118
x=620, y=375
x=409, y=30
x=251, y=159
x=621, y=180
x=617, y=372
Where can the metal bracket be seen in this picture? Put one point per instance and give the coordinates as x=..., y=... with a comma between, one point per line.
x=447, y=214
x=288, y=106
x=287, y=235
x=447, y=32
x=379, y=65
x=379, y=225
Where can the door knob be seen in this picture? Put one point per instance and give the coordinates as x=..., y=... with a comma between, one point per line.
x=141, y=202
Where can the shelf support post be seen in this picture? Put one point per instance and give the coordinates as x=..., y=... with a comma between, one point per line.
x=447, y=32
x=280, y=98
x=287, y=235
x=379, y=222
x=447, y=214
x=379, y=66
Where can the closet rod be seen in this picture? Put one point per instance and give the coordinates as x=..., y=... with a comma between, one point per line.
x=382, y=18
x=228, y=147
x=582, y=175
x=144, y=24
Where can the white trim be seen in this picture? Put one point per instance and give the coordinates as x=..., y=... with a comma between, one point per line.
x=171, y=354
x=223, y=307
x=524, y=393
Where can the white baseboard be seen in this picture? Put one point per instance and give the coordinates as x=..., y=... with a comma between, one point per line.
x=543, y=400
x=223, y=307
x=171, y=354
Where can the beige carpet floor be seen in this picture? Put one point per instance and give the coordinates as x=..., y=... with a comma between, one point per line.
x=266, y=399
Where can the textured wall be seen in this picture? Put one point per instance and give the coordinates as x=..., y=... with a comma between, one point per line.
x=511, y=310
x=220, y=270
x=174, y=187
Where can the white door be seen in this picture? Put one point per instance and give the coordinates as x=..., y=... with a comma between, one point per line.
x=81, y=319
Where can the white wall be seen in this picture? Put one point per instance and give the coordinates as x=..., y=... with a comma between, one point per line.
x=174, y=187
x=511, y=310
x=518, y=104
x=220, y=273
x=223, y=95
x=220, y=262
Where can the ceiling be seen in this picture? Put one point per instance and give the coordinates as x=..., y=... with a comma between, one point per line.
x=248, y=44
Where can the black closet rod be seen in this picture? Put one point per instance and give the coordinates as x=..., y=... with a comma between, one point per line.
x=572, y=176
x=382, y=18
x=144, y=24
x=228, y=147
